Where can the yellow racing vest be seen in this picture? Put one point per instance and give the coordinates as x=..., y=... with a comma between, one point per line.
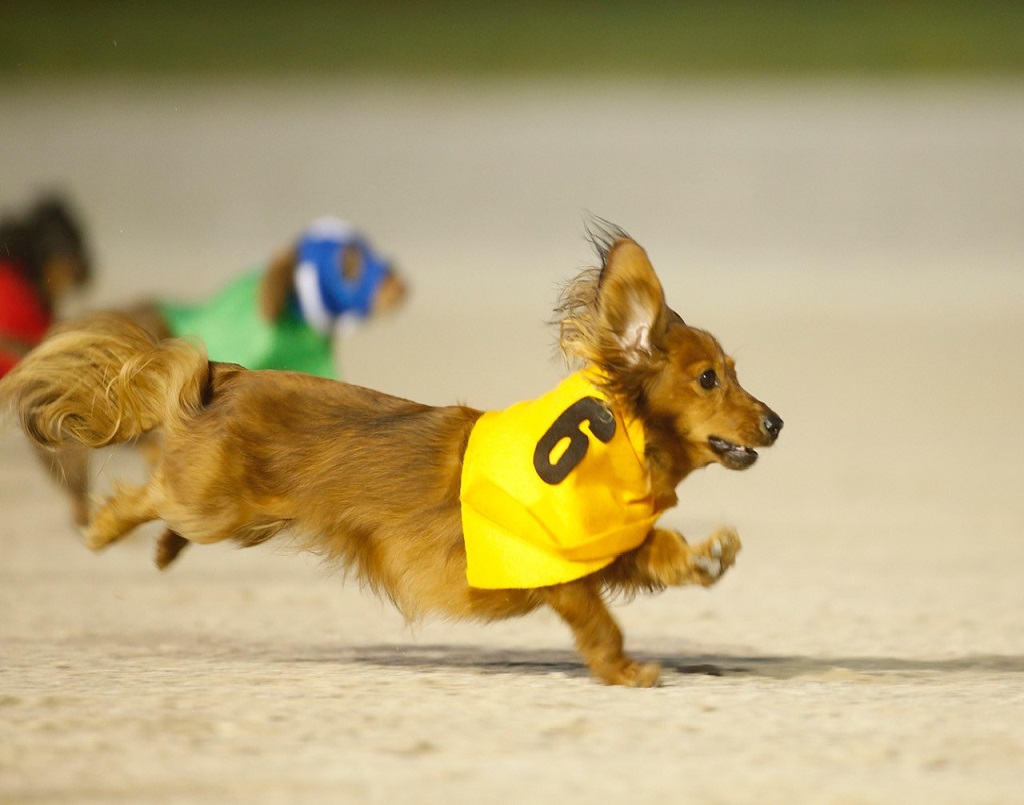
x=553, y=489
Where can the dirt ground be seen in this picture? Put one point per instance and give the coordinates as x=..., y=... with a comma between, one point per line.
x=858, y=247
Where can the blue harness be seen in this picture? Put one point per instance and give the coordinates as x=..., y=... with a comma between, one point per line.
x=324, y=292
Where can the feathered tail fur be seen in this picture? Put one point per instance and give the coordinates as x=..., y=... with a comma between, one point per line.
x=104, y=381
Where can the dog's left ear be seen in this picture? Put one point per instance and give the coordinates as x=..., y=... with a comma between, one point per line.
x=278, y=283
x=631, y=301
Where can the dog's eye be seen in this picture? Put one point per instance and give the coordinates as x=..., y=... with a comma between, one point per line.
x=708, y=379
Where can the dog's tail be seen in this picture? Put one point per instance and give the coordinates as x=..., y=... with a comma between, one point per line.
x=104, y=380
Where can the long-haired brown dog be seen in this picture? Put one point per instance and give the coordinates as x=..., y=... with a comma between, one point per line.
x=372, y=482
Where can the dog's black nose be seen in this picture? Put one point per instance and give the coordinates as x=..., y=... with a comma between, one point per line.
x=772, y=424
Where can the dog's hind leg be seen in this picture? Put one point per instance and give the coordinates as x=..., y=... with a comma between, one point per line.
x=69, y=468
x=170, y=544
x=127, y=508
x=598, y=637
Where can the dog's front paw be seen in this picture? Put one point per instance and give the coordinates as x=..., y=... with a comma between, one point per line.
x=710, y=559
x=630, y=673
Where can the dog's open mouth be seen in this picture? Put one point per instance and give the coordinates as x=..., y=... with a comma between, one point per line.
x=734, y=456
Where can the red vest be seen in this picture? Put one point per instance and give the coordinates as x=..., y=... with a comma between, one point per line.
x=23, y=316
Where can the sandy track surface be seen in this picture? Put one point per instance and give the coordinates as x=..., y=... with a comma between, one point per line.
x=857, y=247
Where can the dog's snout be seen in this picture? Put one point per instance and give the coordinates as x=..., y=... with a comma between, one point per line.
x=772, y=424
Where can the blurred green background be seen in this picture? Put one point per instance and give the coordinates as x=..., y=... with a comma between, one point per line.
x=402, y=38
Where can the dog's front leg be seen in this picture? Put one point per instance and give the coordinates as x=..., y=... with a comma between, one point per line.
x=128, y=507
x=668, y=559
x=598, y=637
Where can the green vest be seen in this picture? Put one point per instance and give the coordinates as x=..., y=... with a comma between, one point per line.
x=234, y=331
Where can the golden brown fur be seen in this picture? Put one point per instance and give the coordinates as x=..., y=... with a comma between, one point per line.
x=370, y=481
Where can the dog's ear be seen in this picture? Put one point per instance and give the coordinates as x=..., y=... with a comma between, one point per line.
x=614, y=317
x=631, y=302
x=278, y=284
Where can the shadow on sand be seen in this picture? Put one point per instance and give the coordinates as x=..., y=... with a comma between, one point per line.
x=550, y=661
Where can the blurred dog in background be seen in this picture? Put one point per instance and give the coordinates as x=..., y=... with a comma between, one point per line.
x=43, y=259
x=284, y=315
